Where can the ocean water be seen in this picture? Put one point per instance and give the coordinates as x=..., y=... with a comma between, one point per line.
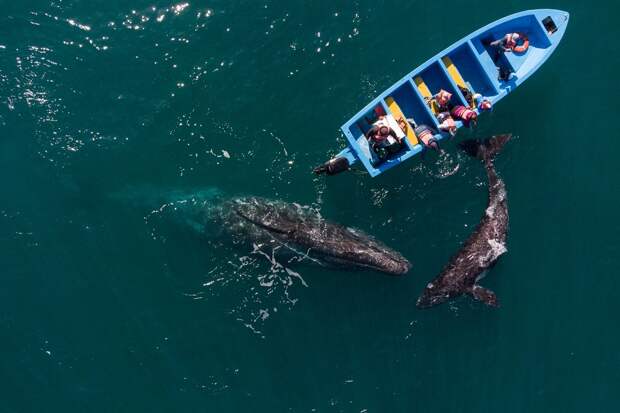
x=118, y=119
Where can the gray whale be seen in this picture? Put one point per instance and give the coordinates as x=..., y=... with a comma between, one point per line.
x=292, y=228
x=484, y=246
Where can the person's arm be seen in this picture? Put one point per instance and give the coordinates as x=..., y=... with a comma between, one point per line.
x=372, y=132
x=396, y=138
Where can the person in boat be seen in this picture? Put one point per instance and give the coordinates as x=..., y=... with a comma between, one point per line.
x=468, y=95
x=383, y=139
x=485, y=104
x=440, y=102
x=446, y=123
x=465, y=114
x=426, y=135
x=441, y=105
x=503, y=45
x=507, y=43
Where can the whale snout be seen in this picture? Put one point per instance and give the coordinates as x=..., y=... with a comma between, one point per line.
x=393, y=265
x=400, y=267
x=432, y=296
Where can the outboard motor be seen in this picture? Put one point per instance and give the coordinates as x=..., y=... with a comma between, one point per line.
x=333, y=166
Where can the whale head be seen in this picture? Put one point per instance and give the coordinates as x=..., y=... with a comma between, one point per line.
x=351, y=248
x=434, y=294
x=437, y=292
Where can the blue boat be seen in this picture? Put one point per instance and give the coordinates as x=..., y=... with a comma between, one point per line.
x=469, y=67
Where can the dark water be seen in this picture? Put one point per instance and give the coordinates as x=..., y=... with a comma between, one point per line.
x=113, y=115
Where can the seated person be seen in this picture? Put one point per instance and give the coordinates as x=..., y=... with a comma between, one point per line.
x=383, y=139
x=503, y=45
x=506, y=43
x=440, y=102
x=468, y=95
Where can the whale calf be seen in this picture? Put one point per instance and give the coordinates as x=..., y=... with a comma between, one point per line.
x=485, y=244
x=292, y=228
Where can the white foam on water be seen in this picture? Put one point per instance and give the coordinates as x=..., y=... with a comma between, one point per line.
x=79, y=25
x=447, y=165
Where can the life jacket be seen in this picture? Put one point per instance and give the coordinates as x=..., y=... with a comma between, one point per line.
x=424, y=133
x=436, y=100
x=464, y=113
x=377, y=137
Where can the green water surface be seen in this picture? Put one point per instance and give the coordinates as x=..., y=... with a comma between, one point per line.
x=114, y=114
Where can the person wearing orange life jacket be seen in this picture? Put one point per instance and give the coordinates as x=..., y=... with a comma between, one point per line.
x=441, y=106
x=440, y=102
x=508, y=42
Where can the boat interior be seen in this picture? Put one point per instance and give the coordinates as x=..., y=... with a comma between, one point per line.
x=470, y=64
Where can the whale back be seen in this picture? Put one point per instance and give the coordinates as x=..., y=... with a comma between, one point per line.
x=484, y=246
x=302, y=228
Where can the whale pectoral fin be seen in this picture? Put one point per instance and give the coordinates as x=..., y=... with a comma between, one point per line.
x=484, y=295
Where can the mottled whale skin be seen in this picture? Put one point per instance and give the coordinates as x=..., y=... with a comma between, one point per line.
x=294, y=228
x=484, y=246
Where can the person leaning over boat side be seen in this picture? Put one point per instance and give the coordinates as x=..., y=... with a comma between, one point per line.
x=426, y=135
x=446, y=123
x=465, y=114
x=441, y=105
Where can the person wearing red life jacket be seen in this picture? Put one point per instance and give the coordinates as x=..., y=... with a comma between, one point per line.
x=383, y=140
x=465, y=114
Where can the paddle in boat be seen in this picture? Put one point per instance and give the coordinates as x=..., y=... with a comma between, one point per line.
x=465, y=79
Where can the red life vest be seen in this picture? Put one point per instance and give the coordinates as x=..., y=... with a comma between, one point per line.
x=464, y=113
